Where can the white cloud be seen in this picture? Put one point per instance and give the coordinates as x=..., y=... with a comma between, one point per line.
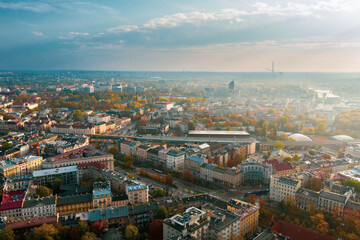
x=126, y=28
x=39, y=34
x=28, y=6
x=72, y=35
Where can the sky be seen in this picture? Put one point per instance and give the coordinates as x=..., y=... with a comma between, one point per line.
x=169, y=35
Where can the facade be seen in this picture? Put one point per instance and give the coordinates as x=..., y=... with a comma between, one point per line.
x=20, y=166
x=72, y=205
x=138, y=193
x=282, y=188
x=249, y=215
x=11, y=204
x=193, y=164
x=174, y=205
x=281, y=168
x=128, y=147
x=41, y=207
x=142, y=214
x=69, y=175
x=82, y=155
x=254, y=171
x=101, y=195
x=175, y=160
x=225, y=176
x=76, y=128
x=305, y=197
x=116, y=216
x=194, y=223
x=223, y=224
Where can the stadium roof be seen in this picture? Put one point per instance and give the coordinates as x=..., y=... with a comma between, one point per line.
x=230, y=133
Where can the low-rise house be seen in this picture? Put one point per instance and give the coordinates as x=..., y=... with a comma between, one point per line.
x=41, y=207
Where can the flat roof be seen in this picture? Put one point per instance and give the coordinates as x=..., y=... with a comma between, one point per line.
x=53, y=171
x=230, y=133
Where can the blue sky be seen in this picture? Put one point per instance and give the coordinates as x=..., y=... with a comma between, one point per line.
x=168, y=35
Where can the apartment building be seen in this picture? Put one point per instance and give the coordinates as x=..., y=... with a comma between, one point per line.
x=69, y=175
x=41, y=207
x=138, y=193
x=282, y=188
x=175, y=160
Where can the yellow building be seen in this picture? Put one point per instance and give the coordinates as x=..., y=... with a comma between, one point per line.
x=101, y=194
x=74, y=204
x=138, y=193
x=249, y=216
x=8, y=169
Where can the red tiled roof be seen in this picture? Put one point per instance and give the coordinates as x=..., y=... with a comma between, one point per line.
x=295, y=232
x=31, y=222
x=12, y=200
x=97, y=165
x=279, y=166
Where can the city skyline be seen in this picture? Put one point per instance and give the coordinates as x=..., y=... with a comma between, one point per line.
x=219, y=36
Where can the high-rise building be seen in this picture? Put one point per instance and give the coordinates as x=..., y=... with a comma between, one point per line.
x=231, y=86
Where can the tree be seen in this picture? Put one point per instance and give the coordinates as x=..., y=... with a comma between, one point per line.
x=191, y=125
x=7, y=234
x=239, y=158
x=295, y=158
x=313, y=183
x=113, y=150
x=231, y=163
x=286, y=159
x=187, y=175
x=275, y=129
x=159, y=192
x=100, y=179
x=57, y=184
x=156, y=229
x=252, y=198
x=168, y=179
x=321, y=128
x=74, y=233
x=44, y=232
x=353, y=183
x=98, y=226
x=326, y=156
x=264, y=128
x=312, y=152
x=162, y=212
x=6, y=146
x=88, y=236
x=77, y=115
x=235, y=237
x=279, y=145
x=83, y=227
x=131, y=232
x=43, y=191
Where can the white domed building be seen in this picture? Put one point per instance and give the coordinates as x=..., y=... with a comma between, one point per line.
x=298, y=137
x=342, y=138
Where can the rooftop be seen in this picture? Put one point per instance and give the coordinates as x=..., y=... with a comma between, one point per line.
x=12, y=199
x=54, y=171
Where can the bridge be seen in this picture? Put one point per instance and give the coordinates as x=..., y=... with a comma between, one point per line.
x=221, y=140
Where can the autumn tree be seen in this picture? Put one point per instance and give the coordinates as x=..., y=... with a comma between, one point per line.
x=77, y=115
x=74, y=233
x=43, y=191
x=83, y=227
x=187, y=175
x=113, y=150
x=239, y=158
x=45, y=231
x=88, y=236
x=252, y=198
x=168, y=179
x=6, y=146
x=295, y=158
x=279, y=145
x=313, y=183
x=7, y=234
x=162, y=212
x=131, y=232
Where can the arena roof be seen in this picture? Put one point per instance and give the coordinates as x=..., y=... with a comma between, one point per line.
x=298, y=137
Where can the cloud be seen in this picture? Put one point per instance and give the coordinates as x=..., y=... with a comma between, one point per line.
x=37, y=7
x=39, y=34
x=72, y=35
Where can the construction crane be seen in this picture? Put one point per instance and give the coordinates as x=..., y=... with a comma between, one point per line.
x=272, y=69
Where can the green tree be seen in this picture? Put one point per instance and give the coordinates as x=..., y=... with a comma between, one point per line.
x=191, y=125
x=275, y=129
x=6, y=146
x=43, y=191
x=88, y=236
x=44, y=232
x=279, y=145
x=162, y=212
x=239, y=158
x=83, y=227
x=264, y=129
x=57, y=184
x=7, y=234
x=77, y=115
x=286, y=159
x=131, y=232
x=100, y=179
